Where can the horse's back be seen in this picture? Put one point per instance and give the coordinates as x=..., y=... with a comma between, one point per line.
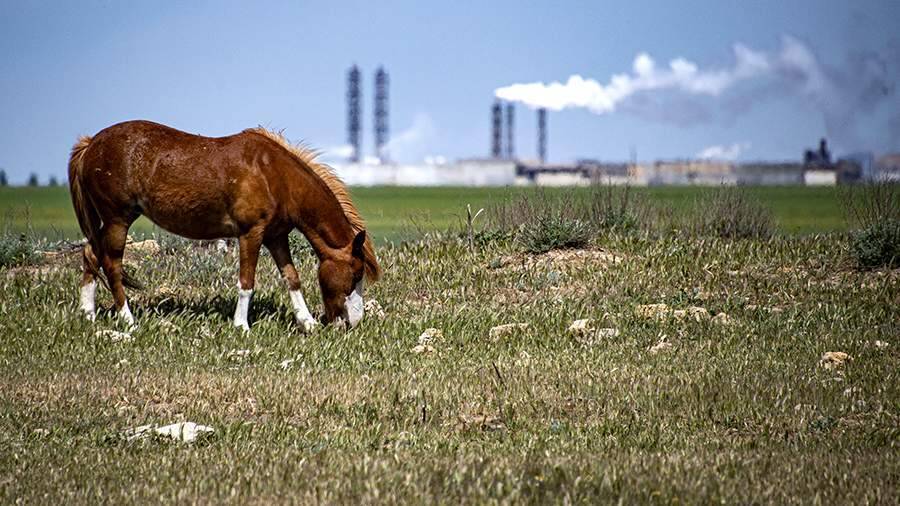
x=195, y=186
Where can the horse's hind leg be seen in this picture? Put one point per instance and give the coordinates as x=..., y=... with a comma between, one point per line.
x=89, y=282
x=281, y=252
x=249, y=251
x=114, y=236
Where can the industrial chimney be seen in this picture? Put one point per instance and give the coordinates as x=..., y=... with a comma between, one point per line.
x=510, y=129
x=354, y=138
x=542, y=134
x=496, y=125
x=381, y=114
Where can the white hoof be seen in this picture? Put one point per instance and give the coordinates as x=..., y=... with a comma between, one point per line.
x=126, y=316
x=308, y=326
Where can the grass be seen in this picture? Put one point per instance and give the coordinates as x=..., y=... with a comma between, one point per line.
x=397, y=213
x=737, y=413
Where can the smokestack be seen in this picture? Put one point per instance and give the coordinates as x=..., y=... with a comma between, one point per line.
x=542, y=134
x=510, y=128
x=354, y=137
x=381, y=114
x=496, y=125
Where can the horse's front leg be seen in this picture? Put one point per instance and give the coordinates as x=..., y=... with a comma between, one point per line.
x=249, y=244
x=281, y=253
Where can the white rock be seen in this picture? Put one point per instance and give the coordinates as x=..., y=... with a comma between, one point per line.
x=583, y=327
x=430, y=335
x=185, y=432
x=422, y=349
x=115, y=336
x=286, y=364
x=881, y=344
x=148, y=247
x=832, y=360
x=723, y=319
x=652, y=311
x=373, y=308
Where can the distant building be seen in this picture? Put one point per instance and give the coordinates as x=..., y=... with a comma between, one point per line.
x=887, y=167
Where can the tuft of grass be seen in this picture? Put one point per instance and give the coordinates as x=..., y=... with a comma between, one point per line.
x=553, y=231
x=877, y=245
x=875, y=210
x=731, y=213
x=17, y=250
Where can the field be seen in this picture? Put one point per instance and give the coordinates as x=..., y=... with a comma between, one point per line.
x=397, y=213
x=734, y=403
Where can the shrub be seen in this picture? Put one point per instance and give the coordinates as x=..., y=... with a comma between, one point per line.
x=731, y=213
x=17, y=250
x=553, y=231
x=877, y=245
x=545, y=219
x=874, y=209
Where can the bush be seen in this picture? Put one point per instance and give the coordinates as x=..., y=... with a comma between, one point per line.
x=553, y=231
x=548, y=219
x=17, y=250
x=874, y=209
x=731, y=213
x=877, y=245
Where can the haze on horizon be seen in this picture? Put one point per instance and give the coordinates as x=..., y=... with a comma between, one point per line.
x=716, y=79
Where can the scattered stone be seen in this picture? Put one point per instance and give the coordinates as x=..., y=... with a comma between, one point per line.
x=507, y=330
x=422, y=349
x=430, y=335
x=657, y=311
x=723, y=319
x=185, y=432
x=881, y=344
x=146, y=248
x=373, y=308
x=581, y=328
x=115, y=336
x=833, y=360
x=483, y=422
x=168, y=326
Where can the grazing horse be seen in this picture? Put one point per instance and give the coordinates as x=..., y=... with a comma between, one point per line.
x=254, y=185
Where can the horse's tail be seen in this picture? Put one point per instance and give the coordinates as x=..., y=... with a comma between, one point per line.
x=88, y=219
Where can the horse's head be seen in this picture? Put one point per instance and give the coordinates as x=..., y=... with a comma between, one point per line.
x=341, y=278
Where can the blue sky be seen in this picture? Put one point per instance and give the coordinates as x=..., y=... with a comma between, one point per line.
x=70, y=68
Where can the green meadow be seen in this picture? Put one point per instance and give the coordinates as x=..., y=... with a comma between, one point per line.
x=401, y=213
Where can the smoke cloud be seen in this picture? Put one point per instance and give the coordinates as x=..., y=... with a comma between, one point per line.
x=727, y=153
x=683, y=93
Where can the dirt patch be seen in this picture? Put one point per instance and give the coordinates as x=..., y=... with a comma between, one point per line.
x=563, y=259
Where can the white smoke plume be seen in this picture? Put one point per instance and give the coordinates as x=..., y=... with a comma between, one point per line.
x=843, y=95
x=681, y=74
x=726, y=153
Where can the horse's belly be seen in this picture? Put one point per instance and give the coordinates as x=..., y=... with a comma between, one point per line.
x=193, y=221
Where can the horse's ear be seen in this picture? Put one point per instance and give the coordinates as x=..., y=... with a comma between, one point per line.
x=358, y=242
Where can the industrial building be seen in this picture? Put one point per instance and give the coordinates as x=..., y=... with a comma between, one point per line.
x=502, y=167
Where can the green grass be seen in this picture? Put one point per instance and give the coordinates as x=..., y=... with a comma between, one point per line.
x=739, y=413
x=396, y=213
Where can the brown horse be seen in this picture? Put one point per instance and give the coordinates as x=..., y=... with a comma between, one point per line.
x=253, y=185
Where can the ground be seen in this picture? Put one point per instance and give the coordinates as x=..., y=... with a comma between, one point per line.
x=742, y=408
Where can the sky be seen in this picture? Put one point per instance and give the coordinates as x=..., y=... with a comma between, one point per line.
x=742, y=80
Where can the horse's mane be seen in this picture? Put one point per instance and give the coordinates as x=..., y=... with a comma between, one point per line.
x=307, y=157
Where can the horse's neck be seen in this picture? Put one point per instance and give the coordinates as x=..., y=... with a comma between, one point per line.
x=325, y=226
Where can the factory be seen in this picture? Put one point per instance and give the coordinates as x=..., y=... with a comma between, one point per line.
x=503, y=168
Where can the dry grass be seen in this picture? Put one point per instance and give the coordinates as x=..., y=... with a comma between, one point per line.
x=742, y=412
